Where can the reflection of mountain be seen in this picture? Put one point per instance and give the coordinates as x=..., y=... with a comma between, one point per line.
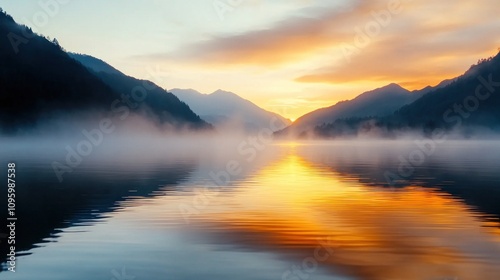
x=45, y=207
x=366, y=232
x=457, y=168
x=223, y=108
x=39, y=81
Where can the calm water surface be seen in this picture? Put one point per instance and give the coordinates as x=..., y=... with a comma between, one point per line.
x=296, y=211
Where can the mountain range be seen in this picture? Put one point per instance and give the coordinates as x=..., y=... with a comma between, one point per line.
x=379, y=102
x=226, y=109
x=462, y=104
x=40, y=82
x=222, y=108
x=162, y=106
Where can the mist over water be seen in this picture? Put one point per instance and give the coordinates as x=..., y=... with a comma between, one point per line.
x=388, y=171
x=211, y=204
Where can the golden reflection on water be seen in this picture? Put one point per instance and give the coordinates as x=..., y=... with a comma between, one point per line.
x=375, y=233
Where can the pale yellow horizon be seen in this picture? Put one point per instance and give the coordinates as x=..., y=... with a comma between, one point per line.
x=289, y=57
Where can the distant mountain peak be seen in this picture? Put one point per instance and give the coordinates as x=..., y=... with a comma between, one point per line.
x=378, y=102
x=394, y=86
x=391, y=87
x=221, y=92
x=222, y=107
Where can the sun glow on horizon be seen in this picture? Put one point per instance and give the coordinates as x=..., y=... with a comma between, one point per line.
x=285, y=56
x=292, y=204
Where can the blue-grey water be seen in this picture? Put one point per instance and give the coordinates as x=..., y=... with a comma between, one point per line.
x=315, y=210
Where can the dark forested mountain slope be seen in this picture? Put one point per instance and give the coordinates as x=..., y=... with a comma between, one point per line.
x=156, y=102
x=472, y=99
x=468, y=105
x=40, y=81
x=379, y=102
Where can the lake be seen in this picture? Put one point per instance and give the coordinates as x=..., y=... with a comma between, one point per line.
x=285, y=210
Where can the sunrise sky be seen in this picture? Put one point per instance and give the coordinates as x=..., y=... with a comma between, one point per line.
x=286, y=56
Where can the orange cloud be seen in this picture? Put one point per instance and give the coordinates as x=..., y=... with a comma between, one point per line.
x=419, y=49
x=286, y=42
x=406, y=60
x=427, y=42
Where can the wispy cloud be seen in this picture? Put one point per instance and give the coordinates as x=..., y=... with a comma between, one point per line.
x=286, y=42
x=297, y=56
x=427, y=42
x=421, y=48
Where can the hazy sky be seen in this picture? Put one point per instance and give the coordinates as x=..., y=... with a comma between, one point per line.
x=288, y=56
